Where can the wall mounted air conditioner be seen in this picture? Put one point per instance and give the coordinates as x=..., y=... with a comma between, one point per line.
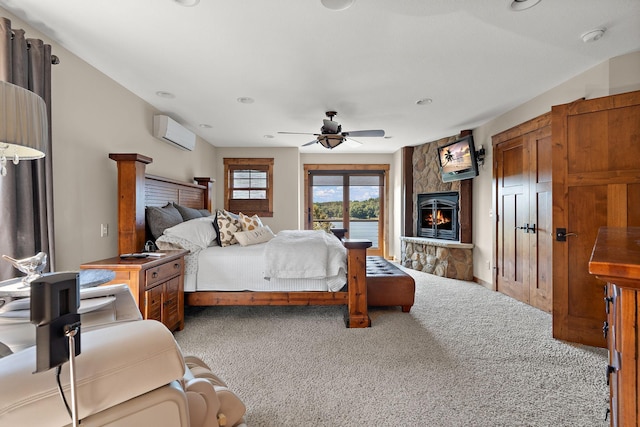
x=168, y=130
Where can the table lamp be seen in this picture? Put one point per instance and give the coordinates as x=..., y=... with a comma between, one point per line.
x=24, y=129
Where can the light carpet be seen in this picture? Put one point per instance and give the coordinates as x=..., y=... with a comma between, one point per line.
x=463, y=356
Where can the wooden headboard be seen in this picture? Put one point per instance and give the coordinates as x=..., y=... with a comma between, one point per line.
x=136, y=190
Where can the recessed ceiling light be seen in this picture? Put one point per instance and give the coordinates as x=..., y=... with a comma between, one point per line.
x=424, y=101
x=337, y=4
x=268, y=136
x=163, y=94
x=187, y=3
x=205, y=126
x=593, y=35
x=246, y=100
x=518, y=5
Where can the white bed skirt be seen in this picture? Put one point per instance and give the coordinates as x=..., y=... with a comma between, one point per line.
x=241, y=268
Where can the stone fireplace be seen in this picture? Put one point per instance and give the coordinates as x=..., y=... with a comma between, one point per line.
x=440, y=242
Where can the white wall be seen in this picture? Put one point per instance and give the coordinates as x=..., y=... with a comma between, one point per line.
x=93, y=116
x=286, y=169
x=617, y=75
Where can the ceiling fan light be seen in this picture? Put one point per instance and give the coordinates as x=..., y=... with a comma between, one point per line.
x=330, y=142
x=337, y=4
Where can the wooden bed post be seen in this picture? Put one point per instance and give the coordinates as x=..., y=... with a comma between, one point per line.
x=357, y=315
x=207, y=183
x=131, y=221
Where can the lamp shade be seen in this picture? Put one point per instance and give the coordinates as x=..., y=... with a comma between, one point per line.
x=24, y=129
x=330, y=141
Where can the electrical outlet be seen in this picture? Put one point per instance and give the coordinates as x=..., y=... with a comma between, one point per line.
x=104, y=230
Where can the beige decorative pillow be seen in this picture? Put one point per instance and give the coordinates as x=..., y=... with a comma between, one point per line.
x=255, y=236
x=250, y=222
x=227, y=226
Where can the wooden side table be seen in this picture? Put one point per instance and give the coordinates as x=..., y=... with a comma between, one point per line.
x=157, y=284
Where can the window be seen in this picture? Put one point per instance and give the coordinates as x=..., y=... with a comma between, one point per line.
x=248, y=186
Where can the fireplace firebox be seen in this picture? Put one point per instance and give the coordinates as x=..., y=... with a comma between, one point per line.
x=438, y=215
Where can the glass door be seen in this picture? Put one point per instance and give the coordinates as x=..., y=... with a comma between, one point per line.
x=348, y=199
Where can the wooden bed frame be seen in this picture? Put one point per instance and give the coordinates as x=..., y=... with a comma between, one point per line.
x=136, y=190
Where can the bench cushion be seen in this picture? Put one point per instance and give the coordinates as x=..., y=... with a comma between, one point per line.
x=388, y=285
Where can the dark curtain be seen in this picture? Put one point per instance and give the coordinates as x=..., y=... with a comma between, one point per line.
x=26, y=192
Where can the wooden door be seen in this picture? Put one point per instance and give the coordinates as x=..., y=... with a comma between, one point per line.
x=512, y=276
x=596, y=182
x=540, y=218
x=522, y=177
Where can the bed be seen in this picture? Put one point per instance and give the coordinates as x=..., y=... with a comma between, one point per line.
x=138, y=190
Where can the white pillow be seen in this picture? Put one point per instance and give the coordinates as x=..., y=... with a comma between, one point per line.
x=255, y=236
x=198, y=231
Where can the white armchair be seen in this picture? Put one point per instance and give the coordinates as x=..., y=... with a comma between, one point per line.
x=128, y=374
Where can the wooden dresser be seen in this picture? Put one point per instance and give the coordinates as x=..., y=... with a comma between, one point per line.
x=616, y=260
x=157, y=284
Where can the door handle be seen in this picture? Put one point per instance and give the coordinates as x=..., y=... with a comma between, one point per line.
x=528, y=228
x=610, y=370
x=561, y=234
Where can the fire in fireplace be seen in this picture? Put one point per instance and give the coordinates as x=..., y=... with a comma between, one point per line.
x=438, y=215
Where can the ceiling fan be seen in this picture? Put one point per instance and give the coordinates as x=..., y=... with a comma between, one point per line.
x=331, y=134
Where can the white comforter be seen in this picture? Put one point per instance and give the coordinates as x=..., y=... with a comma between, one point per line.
x=304, y=254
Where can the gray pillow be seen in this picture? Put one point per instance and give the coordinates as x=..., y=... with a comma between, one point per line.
x=187, y=213
x=205, y=212
x=158, y=219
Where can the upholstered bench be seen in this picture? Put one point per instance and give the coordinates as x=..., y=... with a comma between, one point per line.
x=387, y=285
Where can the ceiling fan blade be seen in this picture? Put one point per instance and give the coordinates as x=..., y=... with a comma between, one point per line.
x=310, y=143
x=352, y=141
x=299, y=133
x=361, y=133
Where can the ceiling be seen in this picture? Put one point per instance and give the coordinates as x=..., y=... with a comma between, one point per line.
x=475, y=59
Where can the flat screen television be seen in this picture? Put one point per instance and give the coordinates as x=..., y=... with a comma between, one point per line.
x=457, y=160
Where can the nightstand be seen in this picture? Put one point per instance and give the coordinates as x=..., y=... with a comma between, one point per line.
x=157, y=284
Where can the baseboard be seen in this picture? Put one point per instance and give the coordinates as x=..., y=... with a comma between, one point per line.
x=483, y=283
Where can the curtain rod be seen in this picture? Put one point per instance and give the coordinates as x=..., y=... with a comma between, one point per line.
x=55, y=60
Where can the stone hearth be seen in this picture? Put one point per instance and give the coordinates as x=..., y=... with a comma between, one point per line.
x=439, y=257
